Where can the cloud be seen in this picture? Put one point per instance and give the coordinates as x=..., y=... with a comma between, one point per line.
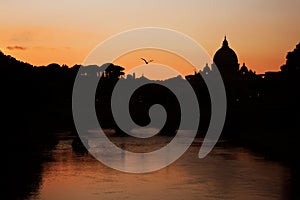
x=16, y=47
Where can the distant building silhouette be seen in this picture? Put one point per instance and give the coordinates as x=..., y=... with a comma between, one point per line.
x=206, y=70
x=130, y=76
x=226, y=60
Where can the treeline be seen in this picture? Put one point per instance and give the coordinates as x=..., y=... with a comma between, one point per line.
x=262, y=109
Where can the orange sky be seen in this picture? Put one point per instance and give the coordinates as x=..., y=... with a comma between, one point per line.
x=154, y=69
x=42, y=31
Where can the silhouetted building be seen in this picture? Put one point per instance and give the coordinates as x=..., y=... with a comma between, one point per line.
x=130, y=76
x=226, y=60
x=244, y=70
x=206, y=70
x=273, y=75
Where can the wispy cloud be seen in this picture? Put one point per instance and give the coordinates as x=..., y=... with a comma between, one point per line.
x=16, y=47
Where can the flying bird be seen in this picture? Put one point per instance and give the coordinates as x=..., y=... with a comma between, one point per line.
x=147, y=61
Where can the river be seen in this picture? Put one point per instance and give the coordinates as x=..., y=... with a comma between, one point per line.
x=226, y=173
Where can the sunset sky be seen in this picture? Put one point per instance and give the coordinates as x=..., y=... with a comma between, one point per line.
x=65, y=31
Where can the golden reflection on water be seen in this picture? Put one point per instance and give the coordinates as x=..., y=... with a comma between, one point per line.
x=227, y=173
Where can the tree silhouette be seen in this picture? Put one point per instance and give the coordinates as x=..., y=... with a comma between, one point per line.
x=292, y=64
x=114, y=71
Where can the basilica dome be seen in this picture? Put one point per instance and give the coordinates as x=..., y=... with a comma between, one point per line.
x=226, y=60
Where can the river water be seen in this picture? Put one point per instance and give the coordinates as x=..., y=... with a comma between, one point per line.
x=226, y=173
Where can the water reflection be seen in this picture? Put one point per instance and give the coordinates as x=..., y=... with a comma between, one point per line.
x=23, y=174
x=227, y=173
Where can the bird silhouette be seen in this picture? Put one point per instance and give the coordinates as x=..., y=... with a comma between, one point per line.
x=146, y=60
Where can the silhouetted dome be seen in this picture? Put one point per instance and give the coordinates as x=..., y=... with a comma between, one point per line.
x=244, y=68
x=226, y=59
